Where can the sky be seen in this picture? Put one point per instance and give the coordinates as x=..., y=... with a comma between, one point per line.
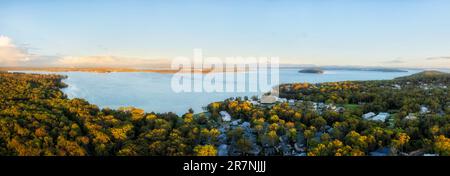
x=391, y=33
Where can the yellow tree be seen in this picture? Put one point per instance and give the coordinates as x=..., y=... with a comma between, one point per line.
x=272, y=137
x=442, y=145
x=205, y=150
x=297, y=116
x=319, y=150
x=401, y=140
x=308, y=134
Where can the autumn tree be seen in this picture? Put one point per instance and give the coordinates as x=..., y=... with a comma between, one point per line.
x=205, y=150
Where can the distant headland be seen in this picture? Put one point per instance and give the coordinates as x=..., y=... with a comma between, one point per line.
x=312, y=70
x=100, y=69
x=378, y=69
x=320, y=70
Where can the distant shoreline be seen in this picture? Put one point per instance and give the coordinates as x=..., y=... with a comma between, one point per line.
x=100, y=70
x=172, y=71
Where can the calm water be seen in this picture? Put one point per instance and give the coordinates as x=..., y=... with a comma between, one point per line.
x=152, y=91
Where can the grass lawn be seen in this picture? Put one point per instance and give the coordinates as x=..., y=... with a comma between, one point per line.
x=351, y=106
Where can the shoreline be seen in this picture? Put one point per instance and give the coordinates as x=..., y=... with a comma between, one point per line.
x=256, y=94
x=119, y=70
x=94, y=70
x=161, y=70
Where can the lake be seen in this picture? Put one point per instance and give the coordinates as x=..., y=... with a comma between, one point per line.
x=153, y=92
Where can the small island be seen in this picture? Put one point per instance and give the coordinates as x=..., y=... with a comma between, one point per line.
x=312, y=70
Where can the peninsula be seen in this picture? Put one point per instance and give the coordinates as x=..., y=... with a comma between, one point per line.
x=312, y=70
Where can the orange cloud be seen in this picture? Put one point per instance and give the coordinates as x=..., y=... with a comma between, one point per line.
x=110, y=61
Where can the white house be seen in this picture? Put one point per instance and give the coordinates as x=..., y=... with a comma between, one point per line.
x=245, y=125
x=291, y=102
x=225, y=116
x=382, y=116
x=331, y=106
x=284, y=100
x=411, y=116
x=254, y=103
x=235, y=122
x=314, y=105
x=424, y=110
x=368, y=115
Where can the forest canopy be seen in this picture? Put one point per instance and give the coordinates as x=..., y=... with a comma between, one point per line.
x=37, y=118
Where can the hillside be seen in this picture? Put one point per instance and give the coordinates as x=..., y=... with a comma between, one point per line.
x=428, y=76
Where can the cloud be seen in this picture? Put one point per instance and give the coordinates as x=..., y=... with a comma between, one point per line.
x=12, y=55
x=439, y=58
x=88, y=61
x=110, y=61
x=395, y=61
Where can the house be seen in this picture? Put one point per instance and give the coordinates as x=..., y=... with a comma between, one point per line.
x=321, y=105
x=254, y=103
x=382, y=116
x=424, y=110
x=318, y=106
x=225, y=116
x=268, y=99
x=246, y=125
x=331, y=106
x=368, y=115
x=411, y=116
x=235, y=122
x=283, y=100
x=314, y=106
x=340, y=109
x=291, y=102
